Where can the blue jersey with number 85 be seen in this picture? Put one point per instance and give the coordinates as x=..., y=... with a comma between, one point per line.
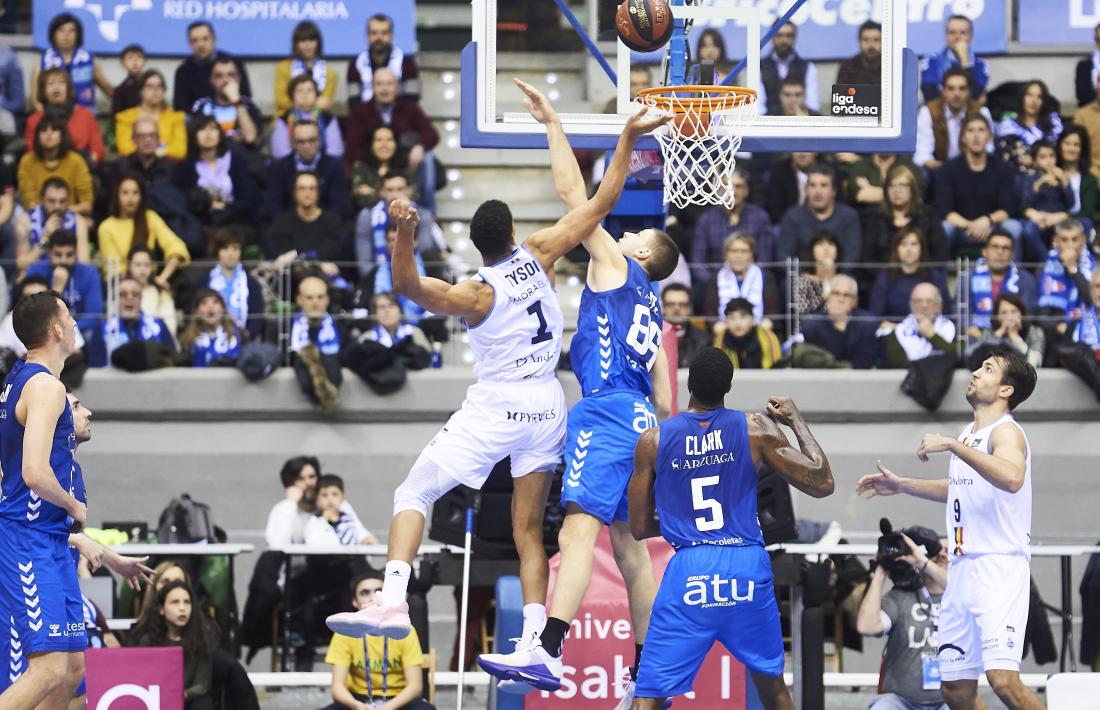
x=705, y=487
x=618, y=334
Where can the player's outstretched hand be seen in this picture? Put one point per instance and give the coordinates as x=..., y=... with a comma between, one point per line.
x=536, y=103
x=783, y=410
x=641, y=123
x=933, y=444
x=404, y=214
x=883, y=483
x=132, y=569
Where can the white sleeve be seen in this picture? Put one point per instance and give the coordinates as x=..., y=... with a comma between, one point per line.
x=887, y=624
x=926, y=141
x=813, y=91
x=360, y=529
x=280, y=523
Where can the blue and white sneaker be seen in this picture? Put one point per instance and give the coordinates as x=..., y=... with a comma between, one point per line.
x=529, y=664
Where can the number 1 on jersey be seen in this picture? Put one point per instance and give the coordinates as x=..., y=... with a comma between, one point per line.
x=543, y=333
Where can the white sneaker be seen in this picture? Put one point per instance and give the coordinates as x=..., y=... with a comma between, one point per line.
x=530, y=664
x=515, y=687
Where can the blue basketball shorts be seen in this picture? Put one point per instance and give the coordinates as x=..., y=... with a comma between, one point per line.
x=39, y=592
x=710, y=593
x=599, y=451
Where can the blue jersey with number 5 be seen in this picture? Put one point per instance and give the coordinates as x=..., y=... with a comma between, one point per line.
x=705, y=487
x=618, y=334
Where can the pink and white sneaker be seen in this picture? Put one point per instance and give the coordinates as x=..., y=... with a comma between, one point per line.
x=376, y=619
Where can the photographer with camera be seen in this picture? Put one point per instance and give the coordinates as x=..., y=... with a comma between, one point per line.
x=916, y=562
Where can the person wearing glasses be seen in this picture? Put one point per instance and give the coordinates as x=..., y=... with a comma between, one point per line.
x=844, y=330
x=171, y=131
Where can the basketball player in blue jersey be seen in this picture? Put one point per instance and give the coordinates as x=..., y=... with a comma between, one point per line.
x=516, y=408
x=131, y=569
x=694, y=483
x=617, y=358
x=38, y=509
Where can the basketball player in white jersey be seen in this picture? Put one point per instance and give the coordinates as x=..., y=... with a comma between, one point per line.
x=988, y=495
x=516, y=408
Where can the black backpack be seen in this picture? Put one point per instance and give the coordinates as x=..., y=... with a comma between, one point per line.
x=185, y=520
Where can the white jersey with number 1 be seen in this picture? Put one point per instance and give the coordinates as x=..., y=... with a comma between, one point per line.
x=520, y=338
x=981, y=518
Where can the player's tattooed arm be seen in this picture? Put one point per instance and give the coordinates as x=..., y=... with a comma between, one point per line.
x=642, y=504
x=806, y=468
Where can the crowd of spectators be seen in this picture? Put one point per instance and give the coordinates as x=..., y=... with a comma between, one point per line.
x=157, y=188
x=179, y=215
x=983, y=236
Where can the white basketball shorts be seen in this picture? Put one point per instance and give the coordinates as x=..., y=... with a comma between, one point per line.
x=524, y=420
x=983, y=614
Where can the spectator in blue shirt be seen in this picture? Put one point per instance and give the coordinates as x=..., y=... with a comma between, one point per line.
x=77, y=282
x=129, y=326
x=994, y=274
x=13, y=95
x=844, y=330
x=958, y=52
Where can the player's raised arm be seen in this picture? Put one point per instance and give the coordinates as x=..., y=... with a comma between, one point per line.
x=549, y=244
x=44, y=400
x=806, y=468
x=467, y=299
x=642, y=505
x=568, y=180
x=887, y=483
x=1005, y=466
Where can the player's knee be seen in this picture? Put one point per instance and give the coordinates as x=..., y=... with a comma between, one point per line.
x=1004, y=683
x=409, y=496
x=955, y=692
x=425, y=484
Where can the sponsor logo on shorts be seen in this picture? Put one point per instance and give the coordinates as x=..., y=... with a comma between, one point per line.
x=544, y=415
x=74, y=628
x=951, y=652
x=55, y=630
x=991, y=643
x=712, y=590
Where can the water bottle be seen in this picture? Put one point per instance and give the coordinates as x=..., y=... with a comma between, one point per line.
x=437, y=355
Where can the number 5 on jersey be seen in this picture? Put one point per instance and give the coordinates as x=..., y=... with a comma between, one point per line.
x=702, y=503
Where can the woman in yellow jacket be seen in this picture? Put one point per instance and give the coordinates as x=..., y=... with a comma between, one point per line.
x=132, y=224
x=306, y=49
x=170, y=123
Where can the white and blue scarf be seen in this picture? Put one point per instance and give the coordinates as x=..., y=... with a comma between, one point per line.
x=328, y=337
x=1057, y=289
x=981, y=290
x=211, y=347
x=1087, y=331
x=319, y=72
x=81, y=71
x=382, y=336
x=915, y=345
x=115, y=335
x=751, y=288
x=234, y=291
x=38, y=218
x=366, y=71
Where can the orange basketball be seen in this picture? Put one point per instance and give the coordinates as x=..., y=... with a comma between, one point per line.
x=644, y=25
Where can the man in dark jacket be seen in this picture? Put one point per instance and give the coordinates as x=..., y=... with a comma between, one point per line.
x=307, y=157
x=676, y=305
x=845, y=331
x=193, y=74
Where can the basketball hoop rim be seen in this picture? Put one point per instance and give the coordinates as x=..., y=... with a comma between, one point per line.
x=715, y=97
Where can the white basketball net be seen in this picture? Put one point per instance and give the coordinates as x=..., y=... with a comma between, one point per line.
x=699, y=144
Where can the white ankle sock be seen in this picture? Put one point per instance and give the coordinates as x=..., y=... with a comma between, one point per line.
x=534, y=618
x=396, y=584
